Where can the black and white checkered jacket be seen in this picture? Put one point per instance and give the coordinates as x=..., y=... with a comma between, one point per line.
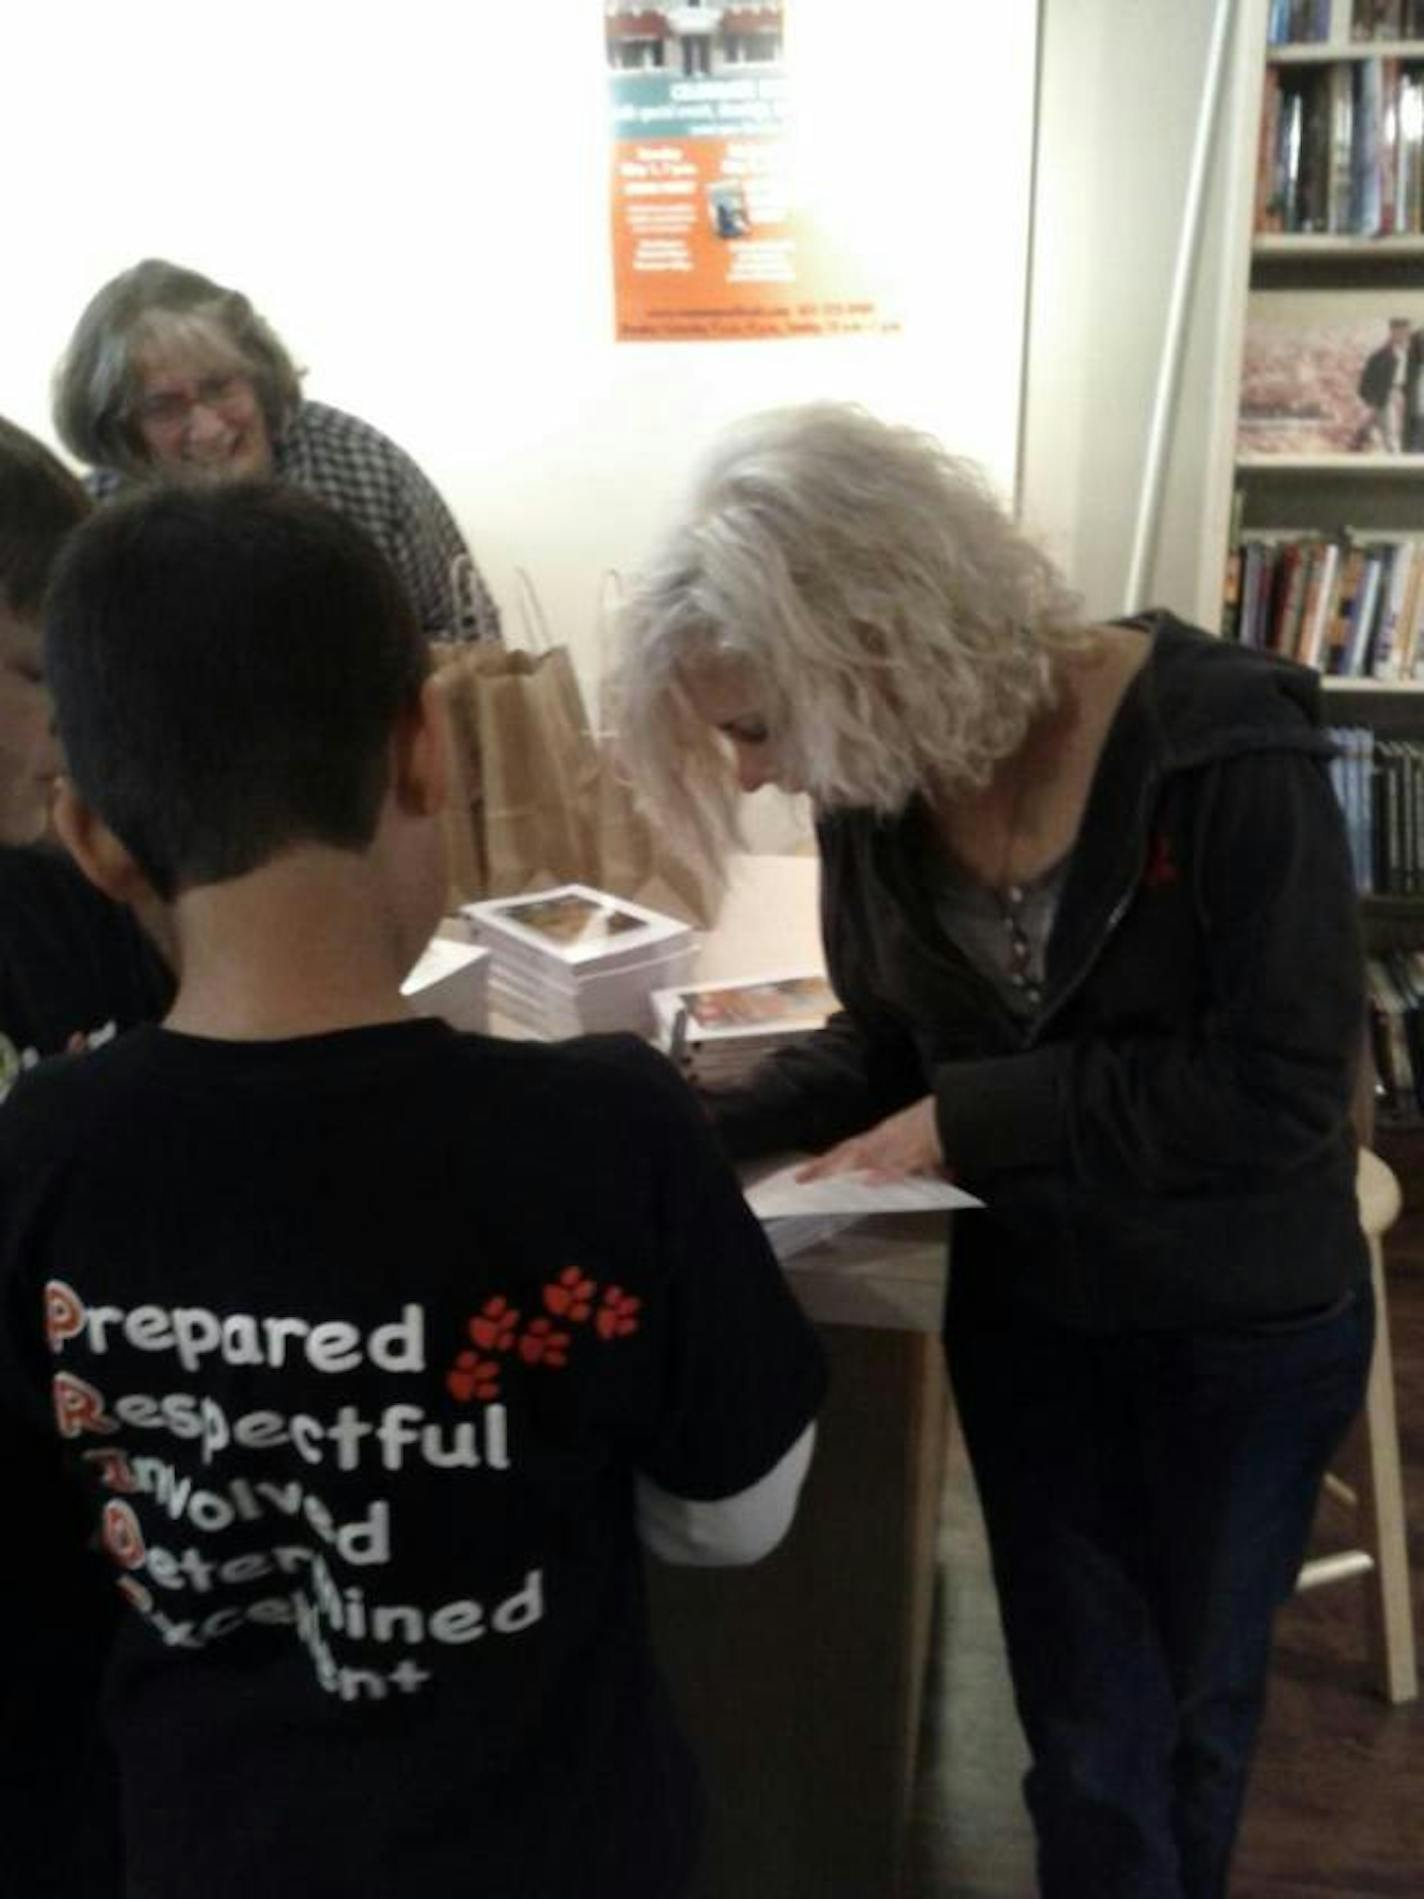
x=363, y=475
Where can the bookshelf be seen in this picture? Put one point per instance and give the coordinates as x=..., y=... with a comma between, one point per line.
x=1325, y=249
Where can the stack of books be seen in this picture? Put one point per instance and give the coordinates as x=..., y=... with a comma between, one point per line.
x=576, y=960
x=720, y=1031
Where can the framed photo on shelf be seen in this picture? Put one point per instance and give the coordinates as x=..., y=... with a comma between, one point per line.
x=1333, y=372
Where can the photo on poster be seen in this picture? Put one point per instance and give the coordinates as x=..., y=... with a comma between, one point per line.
x=691, y=41
x=1333, y=372
x=727, y=208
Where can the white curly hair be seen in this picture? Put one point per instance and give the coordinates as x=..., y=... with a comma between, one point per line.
x=898, y=630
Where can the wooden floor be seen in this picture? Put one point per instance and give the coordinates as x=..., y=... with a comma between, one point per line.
x=1337, y=1801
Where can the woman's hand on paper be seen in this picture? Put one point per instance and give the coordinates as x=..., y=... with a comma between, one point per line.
x=904, y=1144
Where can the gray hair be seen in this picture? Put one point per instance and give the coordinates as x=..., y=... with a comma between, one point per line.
x=899, y=631
x=161, y=304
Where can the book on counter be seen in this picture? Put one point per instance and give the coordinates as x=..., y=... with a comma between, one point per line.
x=573, y=960
x=721, y=1030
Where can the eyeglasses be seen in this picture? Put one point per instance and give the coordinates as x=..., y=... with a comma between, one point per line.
x=168, y=408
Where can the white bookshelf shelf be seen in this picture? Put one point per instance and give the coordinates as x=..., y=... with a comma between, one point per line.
x=1327, y=52
x=1336, y=245
x=1337, y=682
x=1385, y=467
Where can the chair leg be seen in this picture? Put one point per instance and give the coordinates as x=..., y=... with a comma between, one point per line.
x=1382, y=1500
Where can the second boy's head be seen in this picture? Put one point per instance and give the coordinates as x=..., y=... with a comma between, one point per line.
x=40, y=505
x=235, y=672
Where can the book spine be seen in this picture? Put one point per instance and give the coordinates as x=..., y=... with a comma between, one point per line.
x=1363, y=615
x=1290, y=592
x=1342, y=122
x=1267, y=198
x=1372, y=100
x=1399, y=561
x=1388, y=144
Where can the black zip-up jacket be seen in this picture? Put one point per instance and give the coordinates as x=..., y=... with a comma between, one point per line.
x=1168, y=1144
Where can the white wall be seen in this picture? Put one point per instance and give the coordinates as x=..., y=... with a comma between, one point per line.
x=416, y=197
x=1119, y=94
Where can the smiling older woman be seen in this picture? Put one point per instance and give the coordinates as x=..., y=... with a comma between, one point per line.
x=169, y=373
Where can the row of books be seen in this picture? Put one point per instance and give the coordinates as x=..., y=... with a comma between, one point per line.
x=1380, y=785
x=1347, y=607
x=1396, y=992
x=1307, y=22
x=1342, y=149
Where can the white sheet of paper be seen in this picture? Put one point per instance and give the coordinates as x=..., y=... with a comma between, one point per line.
x=781, y=1196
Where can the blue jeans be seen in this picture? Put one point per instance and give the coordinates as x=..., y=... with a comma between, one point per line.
x=1148, y=1499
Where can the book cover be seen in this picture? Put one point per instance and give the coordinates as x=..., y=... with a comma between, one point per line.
x=1327, y=372
x=576, y=926
x=758, y=1006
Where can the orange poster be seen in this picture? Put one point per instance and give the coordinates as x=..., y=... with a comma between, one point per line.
x=713, y=233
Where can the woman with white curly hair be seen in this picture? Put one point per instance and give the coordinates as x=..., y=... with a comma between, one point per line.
x=1088, y=909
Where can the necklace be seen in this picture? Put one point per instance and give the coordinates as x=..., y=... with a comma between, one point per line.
x=1011, y=901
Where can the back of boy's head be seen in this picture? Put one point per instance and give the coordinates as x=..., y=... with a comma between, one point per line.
x=41, y=503
x=228, y=667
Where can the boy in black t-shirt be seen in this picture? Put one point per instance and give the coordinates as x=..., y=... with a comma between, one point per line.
x=74, y=967
x=371, y=1349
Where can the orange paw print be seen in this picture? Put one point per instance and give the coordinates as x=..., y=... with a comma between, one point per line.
x=473, y=1377
x=615, y=1318
x=542, y=1345
x=493, y=1330
x=570, y=1296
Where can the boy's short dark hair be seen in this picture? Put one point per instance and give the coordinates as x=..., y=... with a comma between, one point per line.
x=228, y=665
x=41, y=503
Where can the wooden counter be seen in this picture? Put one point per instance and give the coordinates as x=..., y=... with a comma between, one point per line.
x=800, y=1680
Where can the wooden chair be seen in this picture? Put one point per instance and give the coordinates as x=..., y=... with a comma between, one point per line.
x=1371, y=1483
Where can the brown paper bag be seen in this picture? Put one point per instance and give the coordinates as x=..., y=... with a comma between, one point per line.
x=634, y=856
x=539, y=773
x=464, y=847
x=523, y=769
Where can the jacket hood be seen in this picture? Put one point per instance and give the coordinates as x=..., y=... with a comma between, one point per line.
x=1211, y=698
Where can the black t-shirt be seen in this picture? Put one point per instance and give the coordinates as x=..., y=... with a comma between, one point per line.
x=74, y=967
x=349, y=1348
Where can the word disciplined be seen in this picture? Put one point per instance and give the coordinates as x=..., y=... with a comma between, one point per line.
x=193, y=1333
